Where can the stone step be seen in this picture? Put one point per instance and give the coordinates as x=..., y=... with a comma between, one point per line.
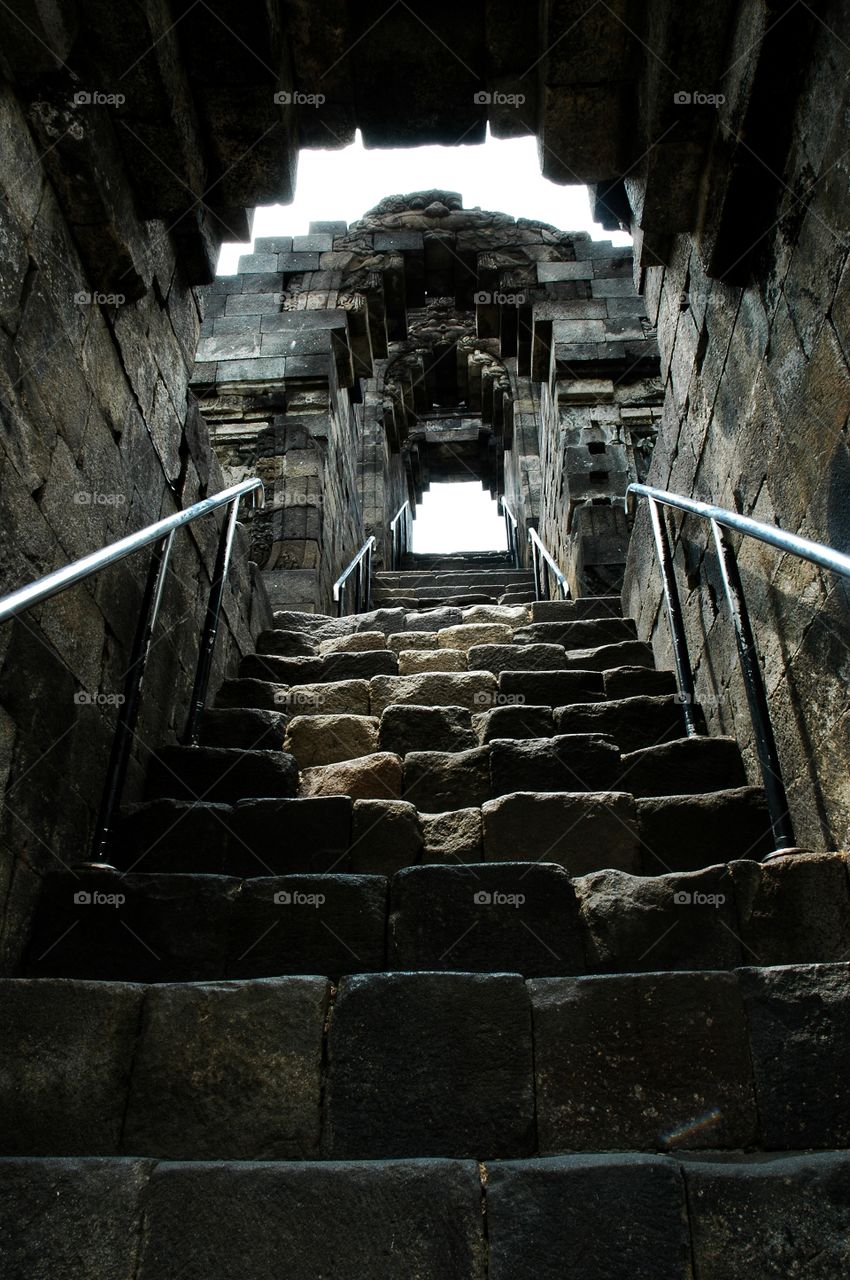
x=462, y=561
x=587, y=633
x=686, y=766
x=219, y=773
x=607, y=657
x=634, y=682
x=457, y=596
x=551, y=688
x=476, y=690
x=720, y=1061
x=633, y=723
x=579, y=610
x=686, y=832
x=334, y=666
x=517, y=657
x=246, y=728
x=526, y=1219
x=436, y=581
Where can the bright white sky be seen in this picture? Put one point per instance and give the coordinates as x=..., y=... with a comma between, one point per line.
x=502, y=175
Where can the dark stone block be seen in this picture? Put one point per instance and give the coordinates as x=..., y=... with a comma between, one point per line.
x=436, y=781
x=799, y=1020
x=515, y=657
x=65, y=1058
x=286, y=837
x=643, y=1062
x=437, y=1063
x=220, y=774
x=782, y=1217
x=632, y=723
x=410, y=728
x=594, y=1217
x=386, y=835
x=390, y=1219
x=574, y=762
x=172, y=835
x=268, y=667
x=629, y=653
x=359, y=666
x=252, y=693
x=794, y=910
x=632, y=682
x=685, y=833
x=517, y=722
x=551, y=688
x=585, y=634
x=328, y=924
x=71, y=1219
x=248, y=729
x=686, y=766
x=639, y=924
x=229, y=1071
x=473, y=917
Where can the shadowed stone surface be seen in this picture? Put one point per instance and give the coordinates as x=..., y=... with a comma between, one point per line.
x=262, y=694
x=635, y=682
x=358, y=642
x=684, y=833
x=173, y=835
x=511, y=657
x=251, y=729
x=437, y=1063
x=470, y=917
x=583, y=831
x=794, y=909
x=553, y=689
x=439, y=780
x=688, y=766
x=359, y=666
x=455, y=836
x=242, y=1062
x=632, y=723
x=282, y=837
x=563, y=763
x=548, y=1219
x=405, y=729
x=220, y=774
x=386, y=835
x=658, y=1060
x=516, y=722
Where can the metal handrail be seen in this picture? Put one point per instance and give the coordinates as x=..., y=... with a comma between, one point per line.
x=400, y=537
x=361, y=566
x=511, y=530
x=161, y=536
x=542, y=563
x=720, y=520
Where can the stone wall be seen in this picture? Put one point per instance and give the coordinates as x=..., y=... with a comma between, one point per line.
x=95, y=442
x=756, y=420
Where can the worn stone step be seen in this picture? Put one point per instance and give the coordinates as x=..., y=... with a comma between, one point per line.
x=546, y=1217
x=629, y=653
x=439, y=780
x=512, y=615
x=414, y=662
x=686, y=832
x=572, y=762
x=332, y=667
x=524, y=720
x=219, y=773
x=436, y=581
x=386, y=836
x=265, y=695
x=588, y=633
x=633, y=682
x=476, y=690
x=633, y=723
x=579, y=610
x=474, y=917
x=248, y=728
x=551, y=688
x=581, y=831
x=686, y=766
x=516, y=657
x=373, y=777
x=470, y=634
x=177, y=928
x=426, y=728
x=327, y=739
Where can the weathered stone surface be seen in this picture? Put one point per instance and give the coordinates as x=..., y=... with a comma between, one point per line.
x=653, y=1061
x=65, y=1058
x=633, y=723
x=439, y=780
x=476, y=691
x=639, y=924
x=359, y=666
x=433, y=620
x=575, y=762
x=220, y=774
x=242, y=1061
x=795, y=909
x=512, y=657
x=386, y=836
x=516, y=722
x=684, y=833
x=455, y=836
x=173, y=835
x=548, y=1218
x=252, y=693
x=413, y=640
x=412, y=662
x=799, y=1019
x=471, y=917
x=284, y=837
x=406, y=728
x=584, y=634
x=357, y=642
x=248, y=729
x=507, y=614
x=375, y=777
x=687, y=766
x=582, y=831
x=439, y=1063
x=336, y=698
x=470, y=634
x=784, y=1216
x=326, y=924
x=287, y=644
x=247, y=1217
x=260, y=666
x=633, y=682
x=552, y=689
x=603, y=657
x=88, y=1213
x=324, y=739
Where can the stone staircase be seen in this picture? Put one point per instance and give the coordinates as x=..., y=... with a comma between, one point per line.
x=473, y=577
x=444, y=955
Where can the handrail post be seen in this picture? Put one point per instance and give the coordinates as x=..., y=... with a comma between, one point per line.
x=765, y=741
x=210, y=632
x=122, y=740
x=681, y=656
